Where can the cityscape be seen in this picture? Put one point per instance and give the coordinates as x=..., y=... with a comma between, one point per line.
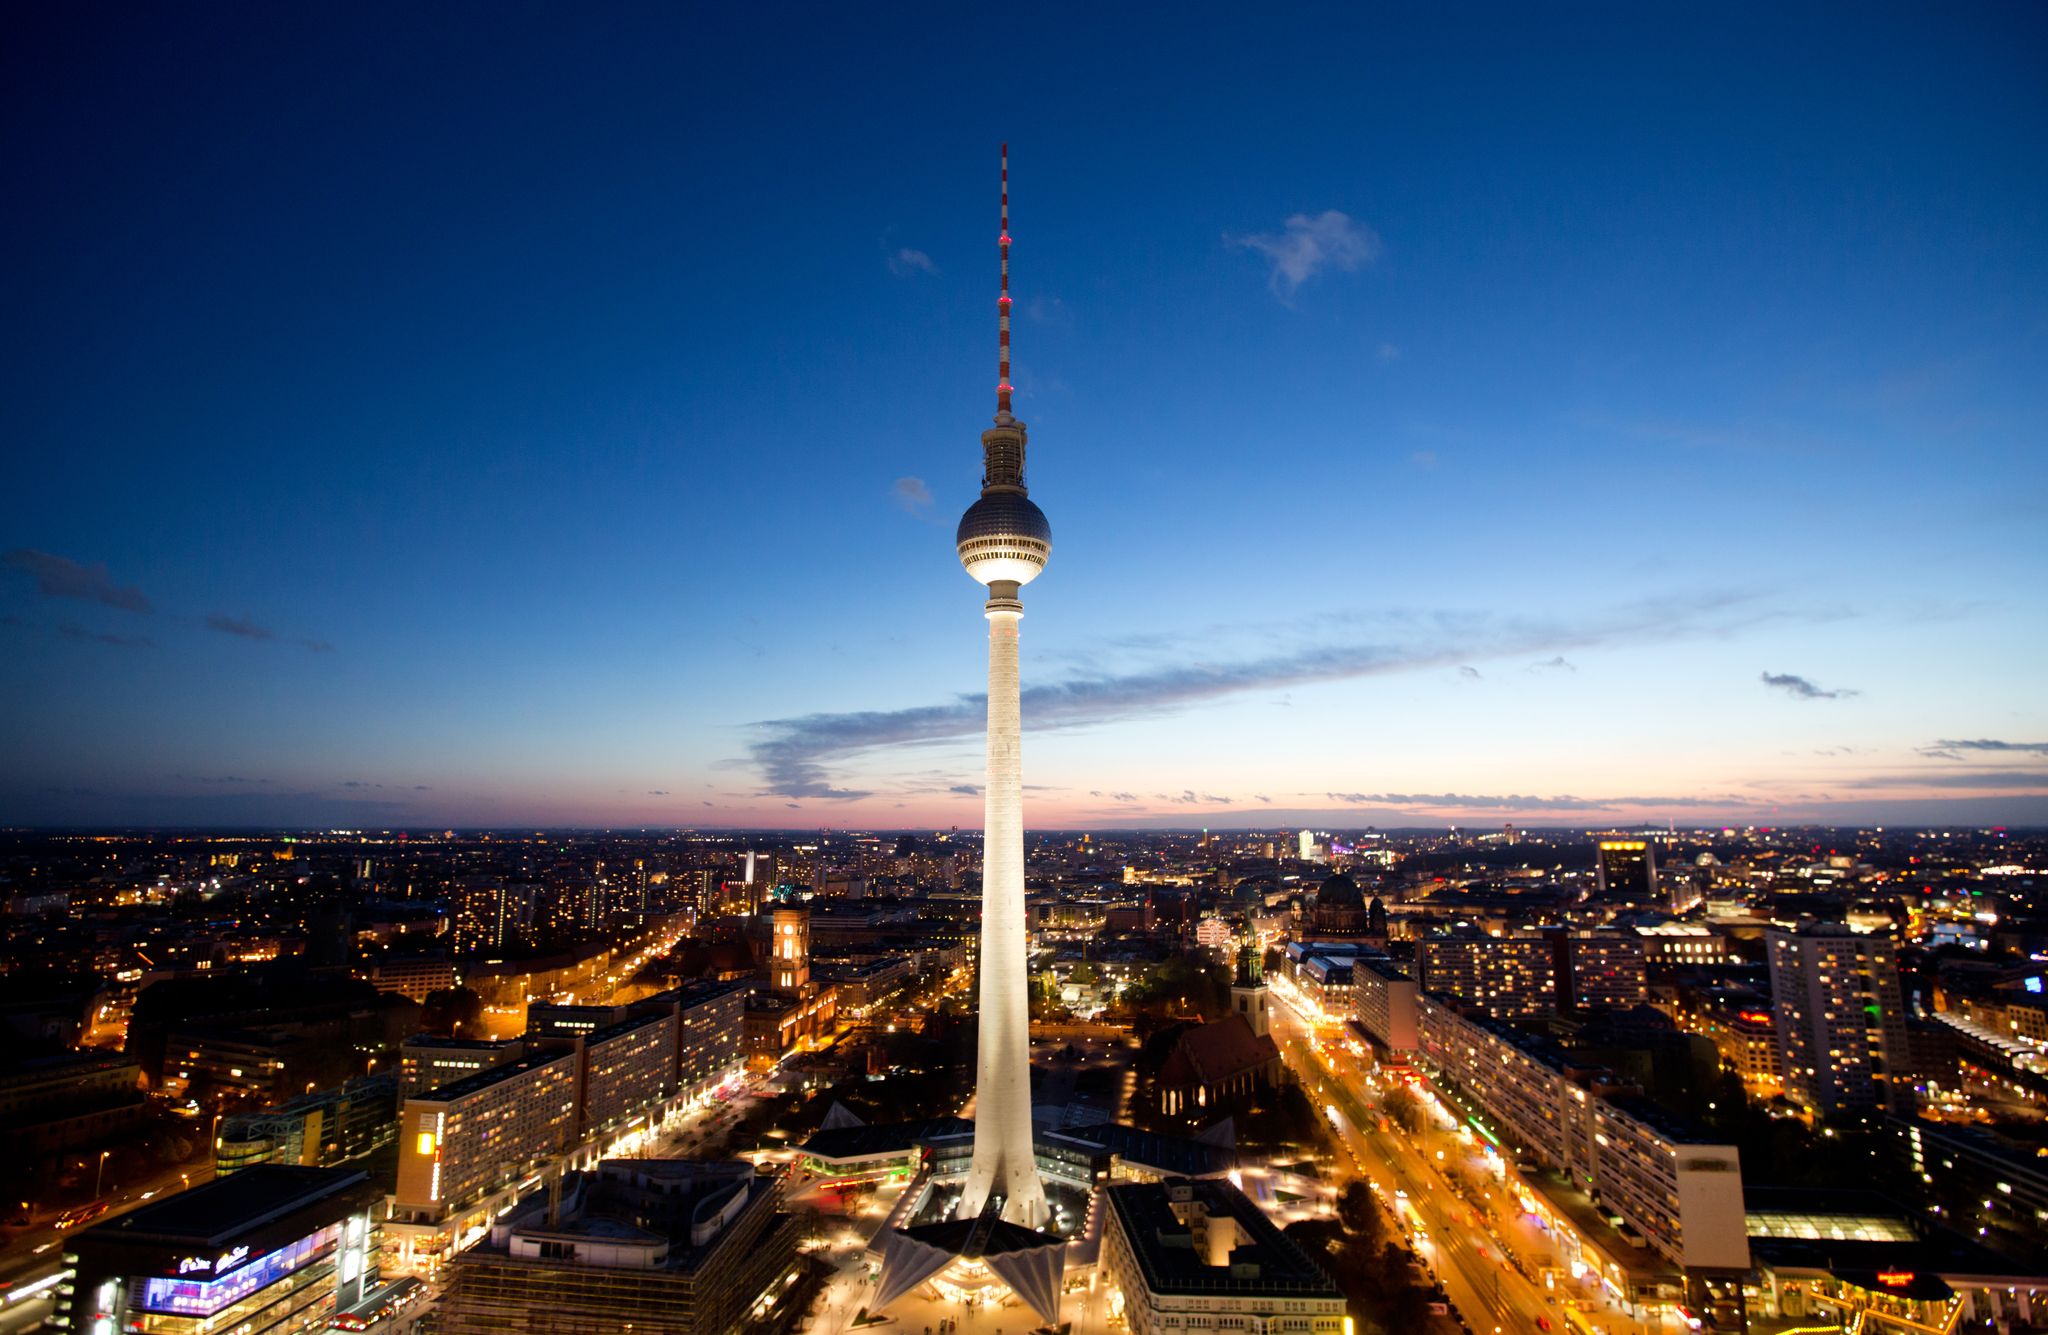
x=1518, y=809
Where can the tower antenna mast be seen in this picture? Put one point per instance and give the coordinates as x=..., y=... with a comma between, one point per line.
x=1003, y=300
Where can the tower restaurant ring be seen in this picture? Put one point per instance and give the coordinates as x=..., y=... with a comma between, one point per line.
x=1004, y=536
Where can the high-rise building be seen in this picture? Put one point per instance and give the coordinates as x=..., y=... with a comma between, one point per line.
x=1841, y=1019
x=1626, y=870
x=1003, y=541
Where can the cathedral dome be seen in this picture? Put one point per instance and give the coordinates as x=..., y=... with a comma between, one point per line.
x=1339, y=892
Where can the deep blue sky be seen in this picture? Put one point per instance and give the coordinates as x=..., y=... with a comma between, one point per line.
x=499, y=414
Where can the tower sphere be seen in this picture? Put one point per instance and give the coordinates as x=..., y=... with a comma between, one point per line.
x=1003, y=536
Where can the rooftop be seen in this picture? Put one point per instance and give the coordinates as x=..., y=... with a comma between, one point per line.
x=1263, y=1262
x=217, y=1211
x=482, y=1080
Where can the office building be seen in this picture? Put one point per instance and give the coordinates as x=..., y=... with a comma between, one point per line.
x=324, y=1129
x=1184, y=1255
x=1625, y=871
x=652, y=1246
x=1841, y=1020
x=273, y=1249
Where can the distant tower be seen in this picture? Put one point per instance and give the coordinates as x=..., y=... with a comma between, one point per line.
x=1004, y=541
x=789, y=966
x=1248, y=990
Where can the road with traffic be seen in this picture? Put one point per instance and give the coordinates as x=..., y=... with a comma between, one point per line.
x=1497, y=1265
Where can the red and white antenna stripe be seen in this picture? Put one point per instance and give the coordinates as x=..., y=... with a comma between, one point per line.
x=1003, y=300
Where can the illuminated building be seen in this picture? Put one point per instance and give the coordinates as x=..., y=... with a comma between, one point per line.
x=1626, y=870
x=1198, y=1255
x=428, y=1062
x=325, y=1129
x=1679, y=1192
x=654, y=1246
x=463, y=1147
x=793, y=1007
x=1601, y=971
x=1339, y=910
x=1530, y=973
x=415, y=977
x=1841, y=1019
x=1384, y=999
x=273, y=1249
x=1502, y=976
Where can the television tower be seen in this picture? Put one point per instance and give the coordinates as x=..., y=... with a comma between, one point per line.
x=1004, y=542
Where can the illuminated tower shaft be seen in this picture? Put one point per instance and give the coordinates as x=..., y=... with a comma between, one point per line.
x=1004, y=542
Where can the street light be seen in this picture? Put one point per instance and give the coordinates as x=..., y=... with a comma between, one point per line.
x=100, y=1174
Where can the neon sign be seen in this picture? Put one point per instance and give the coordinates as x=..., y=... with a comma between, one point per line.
x=191, y=1263
x=1895, y=1278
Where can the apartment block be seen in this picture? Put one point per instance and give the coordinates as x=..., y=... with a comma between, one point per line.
x=1383, y=998
x=461, y=1141
x=1681, y=1193
x=428, y=1062
x=1841, y=1019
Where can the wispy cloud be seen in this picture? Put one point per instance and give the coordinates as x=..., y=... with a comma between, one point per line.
x=1467, y=672
x=249, y=629
x=911, y=494
x=908, y=261
x=795, y=755
x=1423, y=459
x=1801, y=688
x=72, y=632
x=1387, y=352
x=966, y=789
x=1307, y=245
x=241, y=626
x=62, y=577
x=1557, y=664
x=1526, y=802
x=1990, y=744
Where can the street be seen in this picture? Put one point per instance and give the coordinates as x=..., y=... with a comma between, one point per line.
x=1465, y=1248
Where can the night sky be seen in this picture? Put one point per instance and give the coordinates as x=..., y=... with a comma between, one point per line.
x=500, y=414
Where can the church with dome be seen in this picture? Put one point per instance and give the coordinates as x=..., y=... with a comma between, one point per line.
x=1339, y=911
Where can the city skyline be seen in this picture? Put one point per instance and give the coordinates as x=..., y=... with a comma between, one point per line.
x=1582, y=422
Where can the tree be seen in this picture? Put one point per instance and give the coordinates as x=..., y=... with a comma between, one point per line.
x=1360, y=1215
x=1405, y=1109
x=452, y=1010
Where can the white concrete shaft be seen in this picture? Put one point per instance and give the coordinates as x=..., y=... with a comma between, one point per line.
x=1003, y=1161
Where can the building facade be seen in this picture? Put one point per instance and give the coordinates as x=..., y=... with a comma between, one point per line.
x=273, y=1249
x=1681, y=1193
x=1183, y=1255
x=1841, y=1020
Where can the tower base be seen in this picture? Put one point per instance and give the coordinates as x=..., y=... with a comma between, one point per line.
x=976, y=1253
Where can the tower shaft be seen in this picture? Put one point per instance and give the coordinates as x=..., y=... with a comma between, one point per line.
x=1003, y=1164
